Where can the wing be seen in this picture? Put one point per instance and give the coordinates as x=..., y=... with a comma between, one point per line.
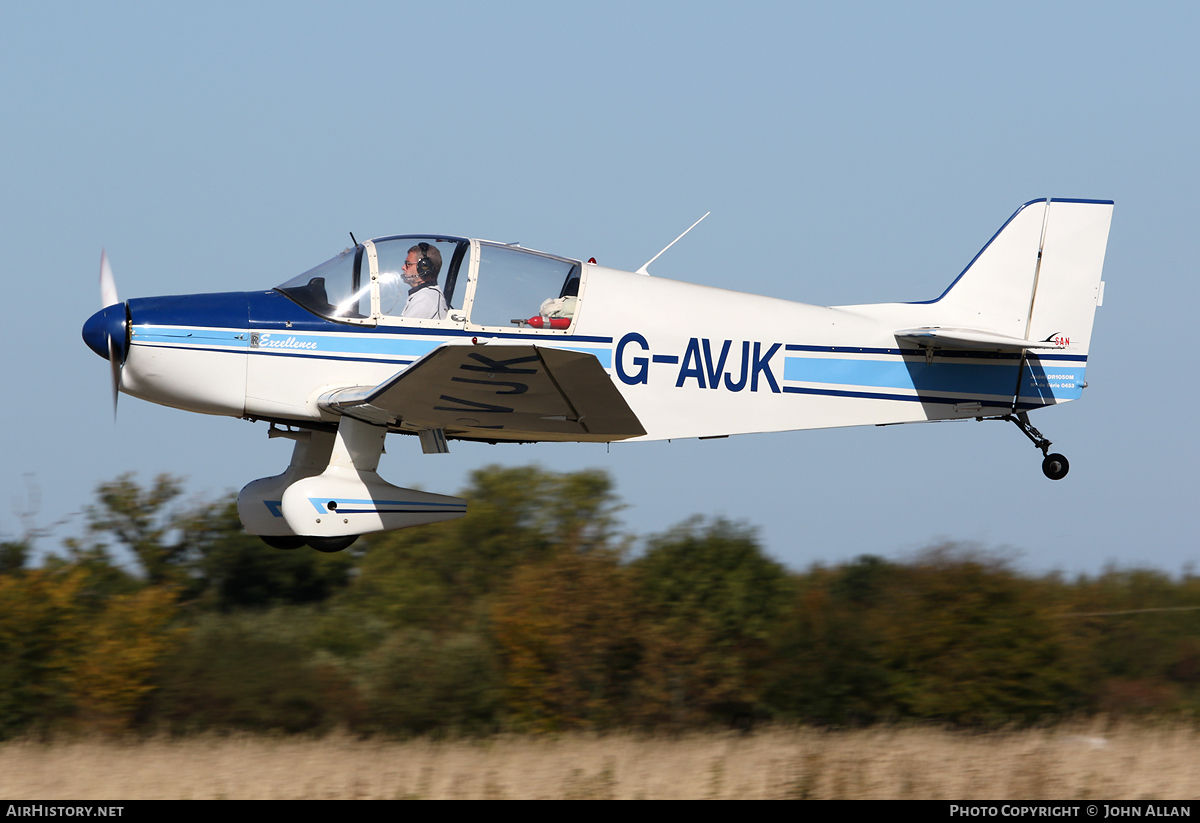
x=498, y=393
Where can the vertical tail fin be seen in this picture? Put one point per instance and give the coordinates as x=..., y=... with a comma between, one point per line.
x=1038, y=278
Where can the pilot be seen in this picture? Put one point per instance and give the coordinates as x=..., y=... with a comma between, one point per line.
x=421, y=269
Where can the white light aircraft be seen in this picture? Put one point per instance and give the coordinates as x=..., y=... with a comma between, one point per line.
x=453, y=338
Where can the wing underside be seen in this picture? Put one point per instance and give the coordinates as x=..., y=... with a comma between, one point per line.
x=498, y=393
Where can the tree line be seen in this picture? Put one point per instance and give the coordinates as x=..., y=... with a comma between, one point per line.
x=533, y=613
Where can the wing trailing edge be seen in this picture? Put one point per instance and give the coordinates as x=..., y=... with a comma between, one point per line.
x=496, y=392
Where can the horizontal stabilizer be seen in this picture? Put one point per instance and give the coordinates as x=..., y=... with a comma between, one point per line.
x=508, y=392
x=973, y=339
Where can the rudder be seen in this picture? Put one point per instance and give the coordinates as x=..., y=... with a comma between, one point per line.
x=1067, y=287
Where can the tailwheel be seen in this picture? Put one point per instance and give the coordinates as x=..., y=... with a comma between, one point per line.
x=329, y=545
x=282, y=541
x=1055, y=466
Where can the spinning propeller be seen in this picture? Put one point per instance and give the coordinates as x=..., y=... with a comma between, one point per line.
x=107, y=331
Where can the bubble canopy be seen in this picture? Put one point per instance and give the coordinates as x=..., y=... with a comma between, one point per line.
x=373, y=282
x=343, y=288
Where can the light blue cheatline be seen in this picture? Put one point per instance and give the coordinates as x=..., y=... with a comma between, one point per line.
x=318, y=344
x=1039, y=379
x=354, y=343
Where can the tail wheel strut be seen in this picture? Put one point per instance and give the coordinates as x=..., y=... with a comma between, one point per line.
x=1055, y=466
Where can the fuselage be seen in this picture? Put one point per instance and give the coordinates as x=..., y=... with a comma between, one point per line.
x=690, y=361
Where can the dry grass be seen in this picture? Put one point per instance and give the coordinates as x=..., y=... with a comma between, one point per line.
x=1088, y=762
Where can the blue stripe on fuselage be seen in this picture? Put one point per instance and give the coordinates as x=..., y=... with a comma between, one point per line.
x=323, y=346
x=1049, y=381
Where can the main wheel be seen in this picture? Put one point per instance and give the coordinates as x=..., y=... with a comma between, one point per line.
x=329, y=545
x=1055, y=466
x=282, y=541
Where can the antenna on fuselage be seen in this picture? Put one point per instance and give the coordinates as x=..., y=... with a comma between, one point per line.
x=352, y=238
x=643, y=269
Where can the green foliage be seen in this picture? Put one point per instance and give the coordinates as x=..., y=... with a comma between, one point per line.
x=138, y=519
x=527, y=615
x=41, y=641
x=442, y=577
x=251, y=672
x=826, y=664
x=1138, y=661
x=13, y=556
x=953, y=635
x=710, y=600
x=419, y=682
x=122, y=650
x=67, y=657
x=567, y=629
x=967, y=640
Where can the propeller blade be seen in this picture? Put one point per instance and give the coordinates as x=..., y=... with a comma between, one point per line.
x=115, y=366
x=108, y=286
x=108, y=297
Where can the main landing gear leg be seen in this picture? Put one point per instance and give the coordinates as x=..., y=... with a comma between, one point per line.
x=1054, y=466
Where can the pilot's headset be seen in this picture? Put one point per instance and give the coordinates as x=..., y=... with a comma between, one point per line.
x=425, y=267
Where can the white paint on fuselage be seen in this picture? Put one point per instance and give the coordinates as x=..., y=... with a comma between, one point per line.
x=285, y=381
x=193, y=379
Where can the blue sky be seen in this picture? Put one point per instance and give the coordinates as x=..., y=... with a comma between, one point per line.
x=851, y=152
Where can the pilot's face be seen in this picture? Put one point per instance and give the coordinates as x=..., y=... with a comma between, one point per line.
x=410, y=270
